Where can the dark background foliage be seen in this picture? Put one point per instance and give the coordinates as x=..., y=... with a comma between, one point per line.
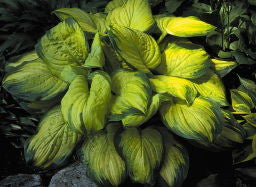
x=23, y=22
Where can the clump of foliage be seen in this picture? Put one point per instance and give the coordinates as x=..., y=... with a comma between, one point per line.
x=101, y=79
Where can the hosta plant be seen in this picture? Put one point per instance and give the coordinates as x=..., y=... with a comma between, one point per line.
x=101, y=79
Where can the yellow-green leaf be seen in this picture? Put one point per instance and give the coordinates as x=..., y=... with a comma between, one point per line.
x=114, y=4
x=142, y=151
x=241, y=102
x=184, y=60
x=53, y=143
x=251, y=119
x=33, y=81
x=132, y=94
x=139, y=50
x=175, y=164
x=135, y=14
x=186, y=26
x=201, y=121
x=64, y=44
x=210, y=85
x=177, y=87
x=103, y=161
x=223, y=67
x=92, y=23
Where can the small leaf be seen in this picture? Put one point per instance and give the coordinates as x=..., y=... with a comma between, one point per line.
x=135, y=14
x=142, y=151
x=223, y=67
x=241, y=102
x=139, y=50
x=53, y=143
x=251, y=119
x=103, y=161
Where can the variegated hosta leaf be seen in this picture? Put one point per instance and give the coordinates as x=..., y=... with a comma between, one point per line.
x=201, y=121
x=33, y=81
x=135, y=14
x=69, y=72
x=251, y=119
x=241, y=102
x=114, y=4
x=136, y=120
x=184, y=26
x=210, y=85
x=132, y=95
x=88, y=22
x=177, y=87
x=87, y=109
x=54, y=141
x=184, y=60
x=249, y=87
x=96, y=58
x=64, y=44
x=103, y=161
x=142, y=151
x=223, y=67
x=139, y=50
x=162, y=22
x=175, y=164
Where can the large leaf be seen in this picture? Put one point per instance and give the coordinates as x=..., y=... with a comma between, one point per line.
x=88, y=22
x=135, y=14
x=33, y=81
x=96, y=58
x=53, y=143
x=201, y=121
x=184, y=60
x=87, y=109
x=241, y=102
x=114, y=4
x=185, y=26
x=177, y=87
x=132, y=94
x=210, y=86
x=139, y=50
x=142, y=151
x=175, y=164
x=64, y=44
x=103, y=161
x=223, y=67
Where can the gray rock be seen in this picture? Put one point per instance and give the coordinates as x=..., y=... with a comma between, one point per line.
x=22, y=180
x=72, y=176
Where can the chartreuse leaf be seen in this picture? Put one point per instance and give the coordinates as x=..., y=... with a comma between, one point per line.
x=210, y=85
x=142, y=151
x=223, y=67
x=88, y=22
x=177, y=87
x=185, y=26
x=100, y=155
x=70, y=72
x=135, y=14
x=139, y=50
x=96, y=58
x=54, y=141
x=114, y=4
x=241, y=102
x=74, y=102
x=29, y=56
x=249, y=87
x=85, y=108
x=201, y=121
x=162, y=22
x=98, y=104
x=175, y=164
x=132, y=94
x=33, y=81
x=184, y=60
x=136, y=120
x=64, y=44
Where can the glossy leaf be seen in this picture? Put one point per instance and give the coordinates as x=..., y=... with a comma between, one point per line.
x=142, y=151
x=135, y=14
x=103, y=161
x=53, y=143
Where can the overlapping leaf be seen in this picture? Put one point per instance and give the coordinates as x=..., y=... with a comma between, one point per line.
x=142, y=151
x=241, y=102
x=223, y=67
x=102, y=159
x=54, y=141
x=139, y=50
x=65, y=44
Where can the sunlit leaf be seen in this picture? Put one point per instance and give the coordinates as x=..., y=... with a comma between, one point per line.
x=223, y=67
x=241, y=102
